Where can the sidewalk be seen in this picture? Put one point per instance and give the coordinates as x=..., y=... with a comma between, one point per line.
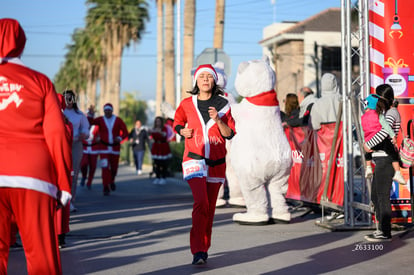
x=143, y=228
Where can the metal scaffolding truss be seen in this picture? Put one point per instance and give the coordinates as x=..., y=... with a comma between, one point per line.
x=355, y=86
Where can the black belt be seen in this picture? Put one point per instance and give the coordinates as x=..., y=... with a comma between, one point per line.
x=209, y=162
x=109, y=144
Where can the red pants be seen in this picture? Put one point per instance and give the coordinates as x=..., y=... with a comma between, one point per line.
x=88, y=163
x=34, y=213
x=109, y=165
x=205, y=197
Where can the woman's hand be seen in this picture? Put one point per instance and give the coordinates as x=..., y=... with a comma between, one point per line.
x=187, y=132
x=367, y=149
x=212, y=112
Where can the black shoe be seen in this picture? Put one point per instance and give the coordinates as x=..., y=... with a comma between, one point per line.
x=16, y=246
x=89, y=187
x=205, y=256
x=106, y=192
x=378, y=237
x=82, y=182
x=198, y=258
x=113, y=186
x=61, y=240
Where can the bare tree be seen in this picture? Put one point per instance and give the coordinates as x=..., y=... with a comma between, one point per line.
x=160, y=57
x=219, y=25
x=169, y=56
x=188, y=53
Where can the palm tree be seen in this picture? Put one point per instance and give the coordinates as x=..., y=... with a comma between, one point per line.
x=122, y=21
x=188, y=51
x=160, y=57
x=219, y=25
x=169, y=56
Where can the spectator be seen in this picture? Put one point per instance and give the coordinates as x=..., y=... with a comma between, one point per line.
x=35, y=157
x=138, y=137
x=291, y=114
x=306, y=99
x=384, y=171
x=160, y=150
x=205, y=121
x=325, y=109
x=373, y=121
x=80, y=126
x=112, y=130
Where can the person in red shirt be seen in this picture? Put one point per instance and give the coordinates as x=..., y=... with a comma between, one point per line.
x=205, y=121
x=35, y=159
x=112, y=130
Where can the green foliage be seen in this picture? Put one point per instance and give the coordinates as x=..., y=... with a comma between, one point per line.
x=132, y=109
x=177, y=150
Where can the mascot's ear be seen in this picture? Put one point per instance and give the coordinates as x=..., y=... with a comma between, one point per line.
x=242, y=67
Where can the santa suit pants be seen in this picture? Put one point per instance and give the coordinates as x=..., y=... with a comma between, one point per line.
x=205, y=196
x=34, y=213
x=88, y=164
x=109, y=165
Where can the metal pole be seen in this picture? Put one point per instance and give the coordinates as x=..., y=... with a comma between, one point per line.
x=344, y=68
x=178, y=57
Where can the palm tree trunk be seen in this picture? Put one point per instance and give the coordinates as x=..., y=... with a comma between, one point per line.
x=219, y=25
x=160, y=58
x=188, y=51
x=169, y=53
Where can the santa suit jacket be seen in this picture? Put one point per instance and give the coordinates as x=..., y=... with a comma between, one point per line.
x=207, y=140
x=35, y=152
x=109, y=130
x=91, y=145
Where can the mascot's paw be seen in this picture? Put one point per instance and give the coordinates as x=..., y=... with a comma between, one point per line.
x=250, y=219
x=237, y=202
x=280, y=218
x=221, y=203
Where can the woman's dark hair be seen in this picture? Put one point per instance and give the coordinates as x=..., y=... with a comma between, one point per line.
x=72, y=96
x=386, y=94
x=159, y=118
x=291, y=103
x=217, y=90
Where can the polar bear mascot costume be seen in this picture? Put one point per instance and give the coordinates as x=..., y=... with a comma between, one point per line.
x=235, y=197
x=260, y=153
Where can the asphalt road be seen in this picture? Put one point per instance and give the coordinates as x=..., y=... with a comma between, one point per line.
x=143, y=228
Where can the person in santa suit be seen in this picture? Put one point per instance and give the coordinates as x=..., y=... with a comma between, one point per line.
x=112, y=130
x=35, y=159
x=205, y=121
x=90, y=151
x=160, y=150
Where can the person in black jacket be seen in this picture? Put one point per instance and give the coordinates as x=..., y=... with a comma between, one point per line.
x=138, y=137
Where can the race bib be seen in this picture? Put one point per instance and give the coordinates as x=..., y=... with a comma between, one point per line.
x=194, y=169
x=104, y=163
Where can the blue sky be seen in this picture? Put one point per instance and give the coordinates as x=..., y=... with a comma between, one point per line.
x=49, y=25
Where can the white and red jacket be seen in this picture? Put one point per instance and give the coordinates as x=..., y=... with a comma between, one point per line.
x=34, y=150
x=91, y=145
x=207, y=140
x=109, y=131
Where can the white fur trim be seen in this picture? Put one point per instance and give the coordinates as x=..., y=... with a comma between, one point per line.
x=29, y=183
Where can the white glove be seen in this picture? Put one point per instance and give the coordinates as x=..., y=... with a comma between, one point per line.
x=65, y=197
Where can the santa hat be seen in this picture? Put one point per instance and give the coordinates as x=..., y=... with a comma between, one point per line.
x=204, y=68
x=108, y=106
